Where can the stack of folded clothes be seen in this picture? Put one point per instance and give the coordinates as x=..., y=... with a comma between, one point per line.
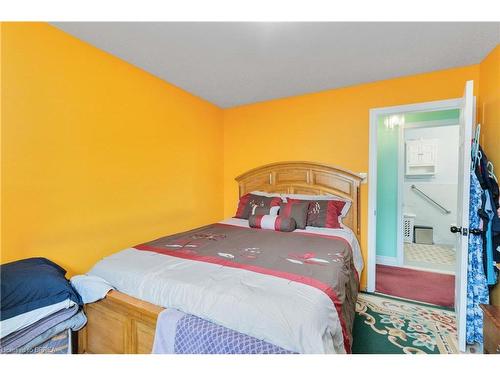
x=39, y=308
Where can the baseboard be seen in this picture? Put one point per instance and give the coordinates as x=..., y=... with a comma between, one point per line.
x=387, y=261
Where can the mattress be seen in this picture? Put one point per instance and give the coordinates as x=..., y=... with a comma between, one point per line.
x=249, y=281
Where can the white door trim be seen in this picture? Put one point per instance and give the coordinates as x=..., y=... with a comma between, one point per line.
x=372, y=173
x=401, y=175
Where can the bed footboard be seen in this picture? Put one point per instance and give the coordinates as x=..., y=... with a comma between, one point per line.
x=118, y=324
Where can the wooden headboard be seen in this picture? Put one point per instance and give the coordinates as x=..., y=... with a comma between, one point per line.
x=301, y=177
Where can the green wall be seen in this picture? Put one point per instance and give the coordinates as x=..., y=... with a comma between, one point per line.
x=449, y=114
x=387, y=189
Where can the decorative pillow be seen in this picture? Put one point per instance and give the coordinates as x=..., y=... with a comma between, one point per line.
x=250, y=201
x=265, y=193
x=296, y=209
x=309, y=197
x=265, y=210
x=277, y=223
x=325, y=213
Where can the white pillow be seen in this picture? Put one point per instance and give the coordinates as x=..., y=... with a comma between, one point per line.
x=273, y=211
x=264, y=194
x=307, y=197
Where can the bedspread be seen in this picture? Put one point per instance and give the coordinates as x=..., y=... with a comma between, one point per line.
x=296, y=290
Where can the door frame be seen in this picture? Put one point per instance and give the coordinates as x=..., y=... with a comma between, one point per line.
x=437, y=105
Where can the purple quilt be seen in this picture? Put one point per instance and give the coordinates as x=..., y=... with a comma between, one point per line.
x=180, y=333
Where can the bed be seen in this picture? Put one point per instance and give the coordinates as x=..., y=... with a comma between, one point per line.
x=298, y=293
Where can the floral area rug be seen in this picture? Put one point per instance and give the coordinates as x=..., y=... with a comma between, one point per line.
x=385, y=325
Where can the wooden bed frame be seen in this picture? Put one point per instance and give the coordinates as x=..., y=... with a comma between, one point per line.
x=123, y=324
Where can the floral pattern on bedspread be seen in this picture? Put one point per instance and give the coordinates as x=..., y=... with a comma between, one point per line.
x=319, y=261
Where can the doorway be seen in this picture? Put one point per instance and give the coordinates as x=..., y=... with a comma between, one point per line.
x=391, y=221
x=430, y=143
x=465, y=105
x=417, y=181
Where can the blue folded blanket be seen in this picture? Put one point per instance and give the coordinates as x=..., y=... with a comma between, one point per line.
x=32, y=283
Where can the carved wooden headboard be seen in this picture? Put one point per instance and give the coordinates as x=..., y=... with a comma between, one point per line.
x=300, y=177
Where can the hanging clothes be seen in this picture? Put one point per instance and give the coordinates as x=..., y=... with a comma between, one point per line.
x=495, y=232
x=475, y=152
x=489, y=214
x=490, y=211
x=477, y=288
x=495, y=221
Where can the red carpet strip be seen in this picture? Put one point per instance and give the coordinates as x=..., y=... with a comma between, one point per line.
x=430, y=287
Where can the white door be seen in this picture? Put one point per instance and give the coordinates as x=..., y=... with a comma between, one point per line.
x=462, y=228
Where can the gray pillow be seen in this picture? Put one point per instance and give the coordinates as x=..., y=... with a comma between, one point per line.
x=296, y=210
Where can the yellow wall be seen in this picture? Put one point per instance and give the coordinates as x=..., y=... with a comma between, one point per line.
x=489, y=116
x=329, y=127
x=97, y=155
x=489, y=105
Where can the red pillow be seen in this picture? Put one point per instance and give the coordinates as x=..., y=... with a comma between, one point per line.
x=249, y=201
x=323, y=213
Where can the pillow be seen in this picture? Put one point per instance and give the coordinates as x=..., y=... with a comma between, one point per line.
x=265, y=194
x=325, y=213
x=249, y=201
x=33, y=283
x=265, y=210
x=309, y=197
x=296, y=209
x=277, y=223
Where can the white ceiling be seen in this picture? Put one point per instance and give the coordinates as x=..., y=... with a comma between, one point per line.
x=237, y=63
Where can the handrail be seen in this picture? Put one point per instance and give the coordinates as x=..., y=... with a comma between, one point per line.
x=445, y=210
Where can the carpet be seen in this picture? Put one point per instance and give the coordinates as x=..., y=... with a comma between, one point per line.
x=385, y=325
x=431, y=287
